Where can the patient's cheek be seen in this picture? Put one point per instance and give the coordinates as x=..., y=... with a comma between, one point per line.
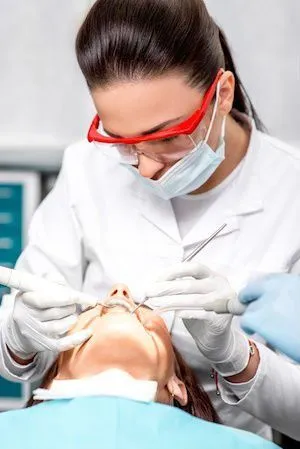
x=149, y=324
x=85, y=320
x=154, y=323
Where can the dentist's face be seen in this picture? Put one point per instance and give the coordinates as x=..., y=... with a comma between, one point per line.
x=138, y=343
x=143, y=106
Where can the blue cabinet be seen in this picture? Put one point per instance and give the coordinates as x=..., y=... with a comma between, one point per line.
x=11, y=226
x=19, y=197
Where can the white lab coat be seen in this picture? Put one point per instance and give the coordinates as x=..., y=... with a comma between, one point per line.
x=100, y=225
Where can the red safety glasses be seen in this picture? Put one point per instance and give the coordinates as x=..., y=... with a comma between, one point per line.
x=188, y=126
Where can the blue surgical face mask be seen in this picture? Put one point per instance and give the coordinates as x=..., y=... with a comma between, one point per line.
x=192, y=171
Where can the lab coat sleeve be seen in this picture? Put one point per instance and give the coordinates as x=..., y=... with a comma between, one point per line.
x=54, y=248
x=11, y=370
x=272, y=396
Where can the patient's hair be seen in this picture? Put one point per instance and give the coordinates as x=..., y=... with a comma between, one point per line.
x=198, y=404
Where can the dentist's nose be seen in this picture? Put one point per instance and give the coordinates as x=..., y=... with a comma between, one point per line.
x=148, y=168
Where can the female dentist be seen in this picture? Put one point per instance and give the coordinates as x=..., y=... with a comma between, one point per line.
x=176, y=150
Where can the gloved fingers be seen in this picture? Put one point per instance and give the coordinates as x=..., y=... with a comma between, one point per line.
x=54, y=313
x=82, y=299
x=71, y=341
x=186, y=269
x=255, y=317
x=57, y=328
x=56, y=297
x=248, y=323
x=210, y=321
x=55, y=345
x=183, y=286
x=56, y=278
x=194, y=315
x=253, y=290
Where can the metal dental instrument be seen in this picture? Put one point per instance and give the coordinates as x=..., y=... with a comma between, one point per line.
x=188, y=258
x=26, y=282
x=203, y=244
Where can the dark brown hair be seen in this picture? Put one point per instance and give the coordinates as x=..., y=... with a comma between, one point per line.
x=198, y=405
x=136, y=39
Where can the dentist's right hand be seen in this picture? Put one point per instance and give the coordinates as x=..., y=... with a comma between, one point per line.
x=39, y=322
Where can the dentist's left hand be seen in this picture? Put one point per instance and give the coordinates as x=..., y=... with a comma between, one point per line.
x=39, y=322
x=273, y=311
x=191, y=284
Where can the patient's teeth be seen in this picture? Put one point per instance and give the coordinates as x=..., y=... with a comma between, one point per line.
x=120, y=302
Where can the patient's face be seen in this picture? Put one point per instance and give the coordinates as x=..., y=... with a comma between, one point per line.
x=138, y=343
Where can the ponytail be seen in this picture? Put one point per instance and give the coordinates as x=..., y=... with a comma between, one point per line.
x=242, y=102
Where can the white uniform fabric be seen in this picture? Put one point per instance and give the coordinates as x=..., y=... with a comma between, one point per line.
x=189, y=209
x=100, y=226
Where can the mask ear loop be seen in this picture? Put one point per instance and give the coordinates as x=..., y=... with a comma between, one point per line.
x=214, y=112
x=223, y=128
x=213, y=116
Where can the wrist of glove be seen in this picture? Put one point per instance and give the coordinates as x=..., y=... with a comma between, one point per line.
x=226, y=348
x=12, y=337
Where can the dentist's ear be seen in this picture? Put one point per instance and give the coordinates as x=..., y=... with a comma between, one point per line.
x=226, y=93
x=177, y=390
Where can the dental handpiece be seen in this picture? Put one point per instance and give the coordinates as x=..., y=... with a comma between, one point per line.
x=219, y=306
x=190, y=256
x=26, y=282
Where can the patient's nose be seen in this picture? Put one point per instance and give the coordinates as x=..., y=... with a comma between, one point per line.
x=120, y=291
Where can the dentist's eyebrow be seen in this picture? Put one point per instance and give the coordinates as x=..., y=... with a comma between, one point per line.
x=149, y=131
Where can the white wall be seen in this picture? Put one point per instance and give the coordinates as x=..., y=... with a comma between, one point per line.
x=265, y=36
x=41, y=88
x=42, y=91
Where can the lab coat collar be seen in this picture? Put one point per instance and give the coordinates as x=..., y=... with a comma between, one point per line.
x=159, y=212
x=112, y=382
x=246, y=199
x=247, y=193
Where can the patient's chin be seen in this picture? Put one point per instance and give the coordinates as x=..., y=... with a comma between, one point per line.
x=127, y=354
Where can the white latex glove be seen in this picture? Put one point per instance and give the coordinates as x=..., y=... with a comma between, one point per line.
x=191, y=284
x=39, y=321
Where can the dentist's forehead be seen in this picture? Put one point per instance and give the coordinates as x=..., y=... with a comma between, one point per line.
x=132, y=108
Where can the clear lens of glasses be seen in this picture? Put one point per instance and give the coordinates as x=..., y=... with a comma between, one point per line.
x=165, y=150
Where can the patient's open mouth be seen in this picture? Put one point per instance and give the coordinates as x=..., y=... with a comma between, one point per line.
x=119, y=302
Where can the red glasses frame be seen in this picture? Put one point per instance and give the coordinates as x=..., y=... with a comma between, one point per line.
x=188, y=126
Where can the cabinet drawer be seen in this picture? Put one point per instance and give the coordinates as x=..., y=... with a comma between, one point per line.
x=8, y=233
x=10, y=244
x=11, y=219
x=11, y=196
